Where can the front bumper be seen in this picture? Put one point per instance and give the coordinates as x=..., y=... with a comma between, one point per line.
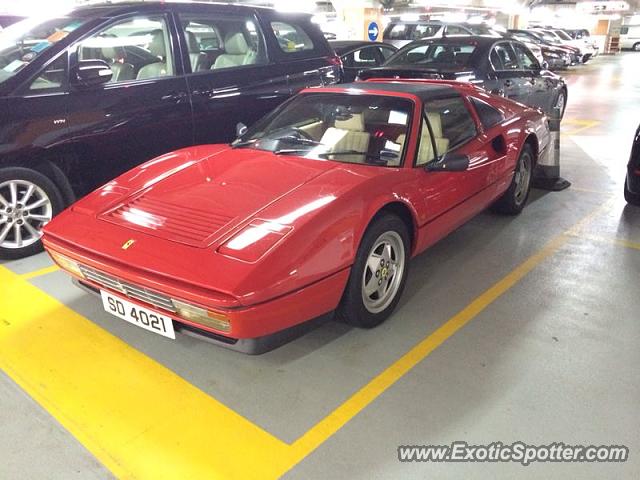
x=253, y=329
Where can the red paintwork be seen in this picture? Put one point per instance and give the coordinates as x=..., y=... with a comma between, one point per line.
x=211, y=193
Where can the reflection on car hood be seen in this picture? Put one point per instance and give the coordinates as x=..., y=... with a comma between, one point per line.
x=205, y=201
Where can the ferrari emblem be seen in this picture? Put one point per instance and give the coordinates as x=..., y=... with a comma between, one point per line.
x=127, y=244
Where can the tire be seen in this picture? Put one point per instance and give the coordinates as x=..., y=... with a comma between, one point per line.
x=515, y=198
x=360, y=306
x=561, y=100
x=43, y=201
x=631, y=198
x=636, y=47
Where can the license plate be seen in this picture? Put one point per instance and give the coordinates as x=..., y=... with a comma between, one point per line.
x=140, y=316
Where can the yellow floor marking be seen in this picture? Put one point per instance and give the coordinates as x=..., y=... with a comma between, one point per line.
x=136, y=416
x=581, y=126
x=143, y=421
x=588, y=190
x=613, y=241
x=38, y=273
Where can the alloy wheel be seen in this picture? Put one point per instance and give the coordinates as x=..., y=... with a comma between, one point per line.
x=24, y=209
x=383, y=272
x=522, y=178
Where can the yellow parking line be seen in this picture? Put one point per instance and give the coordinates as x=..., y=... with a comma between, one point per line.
x=582, y=125
x=38, y=273
x=143, y=421
x=614, y=241
x=137, y=417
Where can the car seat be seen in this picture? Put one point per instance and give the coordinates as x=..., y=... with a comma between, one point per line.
x=121, y=70
x=196, y=57
x=348, y=134
x=158, y=49
x=425, y=151
x=237, y=52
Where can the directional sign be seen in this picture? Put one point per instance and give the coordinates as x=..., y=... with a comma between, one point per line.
x=373, y=31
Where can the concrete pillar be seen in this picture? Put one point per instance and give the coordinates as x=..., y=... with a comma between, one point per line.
x=357, y=15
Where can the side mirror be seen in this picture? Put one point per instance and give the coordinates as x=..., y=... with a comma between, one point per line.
x=241, y=129
x=89, y=73
x=450, y=162
x=545, y=65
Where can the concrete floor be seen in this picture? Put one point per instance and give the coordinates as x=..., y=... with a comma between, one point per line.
x=551, y=357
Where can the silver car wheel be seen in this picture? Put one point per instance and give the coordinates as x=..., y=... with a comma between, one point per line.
x=383, y=272
x=24, y=209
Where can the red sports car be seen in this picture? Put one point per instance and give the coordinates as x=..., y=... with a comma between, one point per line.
x=315, y=210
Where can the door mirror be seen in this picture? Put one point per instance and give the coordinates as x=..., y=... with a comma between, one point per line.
x=241, y=129
x=89, y=73
x=450, y=162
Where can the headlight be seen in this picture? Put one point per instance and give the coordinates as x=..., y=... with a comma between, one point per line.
x=208, y=318
x=66, y=263
x=254, y=240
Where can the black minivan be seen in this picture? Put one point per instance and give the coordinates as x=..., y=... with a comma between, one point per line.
x=88, y=95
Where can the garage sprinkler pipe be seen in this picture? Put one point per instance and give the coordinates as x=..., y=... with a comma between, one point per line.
x=547, y=174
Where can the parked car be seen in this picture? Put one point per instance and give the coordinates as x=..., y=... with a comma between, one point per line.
x=400, y=33
x=359, y=55
x=558, y=37
x=316, y=209
x=556, y=57
x=87, y=96
x=550, y=43
x=630, y=37
x=501, y=66
x=583, y=35
x=632, y=183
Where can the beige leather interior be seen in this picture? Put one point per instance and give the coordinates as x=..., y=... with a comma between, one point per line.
x=237, y=52
x=348, y=134
x=121, y=70
x=314, y=130
x=196, y=57
x=425, y=152
x=158, y=48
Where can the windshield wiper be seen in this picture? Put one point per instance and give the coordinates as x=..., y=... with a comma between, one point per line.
x=290, y=151
x=244, y=143
x=382, y=159
x=301, y=140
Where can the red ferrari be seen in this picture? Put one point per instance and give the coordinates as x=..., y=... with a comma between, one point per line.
x=314, y=211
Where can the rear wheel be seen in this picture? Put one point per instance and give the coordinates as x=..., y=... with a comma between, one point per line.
x=636, y=47
x=561, y=102
x=630, y=197
x=28, y=201
x=378, y=274
x=515, y=198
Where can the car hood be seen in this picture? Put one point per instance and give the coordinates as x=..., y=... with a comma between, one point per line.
x=200, y=204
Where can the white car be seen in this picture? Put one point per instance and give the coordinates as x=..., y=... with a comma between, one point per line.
x=630, y=37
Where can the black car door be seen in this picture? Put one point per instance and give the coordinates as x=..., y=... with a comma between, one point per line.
x=144, y=111
x=301, y=51
x=361, y=59
x=231, y=77
x=541, y=92
x=509, y=78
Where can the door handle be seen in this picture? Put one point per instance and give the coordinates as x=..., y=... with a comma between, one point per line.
x=508, y=83
x=174, y=96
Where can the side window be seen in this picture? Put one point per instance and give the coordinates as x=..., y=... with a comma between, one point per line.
x=222, y=41
x=291, y=38
x=398, y=31
x=453, y=30
x=489, y=116
x=451, y=123
x=503, y=57
x=365, y=57
x=138, y=48
x=53, y=78
x=386, y=52
x=525, y=57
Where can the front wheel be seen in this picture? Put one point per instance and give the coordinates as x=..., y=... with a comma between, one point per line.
x=515, y=198
x=378, y=274
x=28, y=201
x=630, y=197
x=636, y=47
x=561, y=103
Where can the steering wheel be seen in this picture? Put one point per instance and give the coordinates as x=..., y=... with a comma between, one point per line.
x=302, y=134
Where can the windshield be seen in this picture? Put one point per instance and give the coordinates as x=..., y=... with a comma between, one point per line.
x=365, y=129
x=562, y=35
x=407, y=31
x=549, y=36
x=23, y=42
x=434, y=54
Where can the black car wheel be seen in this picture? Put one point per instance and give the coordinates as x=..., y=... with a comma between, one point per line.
x=636, y=47
x=630, y=197
x=561, y=102
x=515, y=198
x=378, y=274
x=28, y=200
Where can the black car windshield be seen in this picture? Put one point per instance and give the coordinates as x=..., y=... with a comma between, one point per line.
x=23, y=42
x=434, y=54
x=342, y=127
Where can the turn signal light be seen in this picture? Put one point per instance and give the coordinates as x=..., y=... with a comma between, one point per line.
x=66, y=263
x=208, y=318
